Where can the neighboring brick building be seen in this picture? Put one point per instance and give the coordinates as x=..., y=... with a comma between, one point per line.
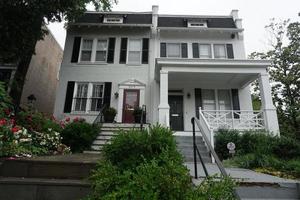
x=42, y=76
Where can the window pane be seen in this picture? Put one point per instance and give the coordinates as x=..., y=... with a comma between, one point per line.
x=101, y=56
x=173, y=50
x=86, y=55
x=102, y=45
x=205, y=51
x=80, y=104
x=134, y=57
x=97, y=90
x=135, y=45
x=209, y=102
x=82, y=90
x=96, y=104
x=87, y=44
x=224, y=100
x=219, y=51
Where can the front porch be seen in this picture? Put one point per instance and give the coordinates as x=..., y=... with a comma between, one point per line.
x=218, y=90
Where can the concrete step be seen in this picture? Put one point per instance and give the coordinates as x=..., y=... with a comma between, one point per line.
x=46, y=169
x=97, y=147
x=100, y=142
x=45, y=189
x=104, y=137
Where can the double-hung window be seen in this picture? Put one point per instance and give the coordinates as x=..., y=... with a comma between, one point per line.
x=81, y=97
x=134, y=51
x=97, y=96
x=101, y=51
x=220, y=51
x=86, y=50
x=205, y=51
x=173, y=50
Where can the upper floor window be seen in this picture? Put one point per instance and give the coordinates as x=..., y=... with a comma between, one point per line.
x=113, y=20
x=101, y=50
x=134, y=51
x=94, y=50
x=205, y=51
x=173, y=50
x=86, y=50
x=220, y=51
x=197, y=24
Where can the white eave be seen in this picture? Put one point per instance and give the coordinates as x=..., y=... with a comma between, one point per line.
x=230, y=30
x=109, y=25
x=211, y=65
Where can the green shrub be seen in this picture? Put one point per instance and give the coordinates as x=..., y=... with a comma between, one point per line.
x=223, y=137
x=150, y=180
x=129, y=148
x=214, y=190
x=286, y=148
x=79, y=135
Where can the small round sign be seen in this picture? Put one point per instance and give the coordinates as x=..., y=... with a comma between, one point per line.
x=230, y=146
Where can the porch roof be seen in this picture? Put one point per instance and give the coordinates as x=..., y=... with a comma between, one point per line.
x=235, y=71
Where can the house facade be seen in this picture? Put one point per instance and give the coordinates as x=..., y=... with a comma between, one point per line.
x=178, y=66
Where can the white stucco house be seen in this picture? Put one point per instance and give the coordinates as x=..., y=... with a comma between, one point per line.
x=179, y=66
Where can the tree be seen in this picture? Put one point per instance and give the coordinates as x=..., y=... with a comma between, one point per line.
x=285, y=73
x=22, y=24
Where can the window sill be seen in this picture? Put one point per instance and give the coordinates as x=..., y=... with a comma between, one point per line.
x=92, y=63
x=91, y=113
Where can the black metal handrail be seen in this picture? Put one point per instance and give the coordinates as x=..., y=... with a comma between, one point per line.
x=210, y=149
x=142, y=116
x=211, y=152
x=99, y=118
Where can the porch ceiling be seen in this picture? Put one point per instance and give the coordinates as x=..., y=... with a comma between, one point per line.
x=231, y=72
x=220, y=80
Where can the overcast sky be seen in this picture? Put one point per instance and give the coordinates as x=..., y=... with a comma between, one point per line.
x=255, y=14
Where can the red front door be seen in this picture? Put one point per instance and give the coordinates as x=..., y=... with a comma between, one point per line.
x=131, y=101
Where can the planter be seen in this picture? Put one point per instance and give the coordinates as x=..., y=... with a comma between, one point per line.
x=109, y=118
x=109, y=115
x=137, y=119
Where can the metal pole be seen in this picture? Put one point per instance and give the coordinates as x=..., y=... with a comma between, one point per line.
x=195, y=150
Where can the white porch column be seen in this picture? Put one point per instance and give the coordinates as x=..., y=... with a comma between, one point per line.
x=270, y=115
x=163, y=108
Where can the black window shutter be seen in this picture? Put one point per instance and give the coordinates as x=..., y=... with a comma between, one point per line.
x=163, y=50
x=107, y=94
x=235, y=101
x=76, y=48
x=184, y=50
x=111, y=50
x=69, y=97
x=195, y=50
x=229, y=51
x=145, y=54
x=198, y=100
x=123, y=52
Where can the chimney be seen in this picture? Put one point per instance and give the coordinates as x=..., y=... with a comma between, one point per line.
x=234, y=14
x=154, y=16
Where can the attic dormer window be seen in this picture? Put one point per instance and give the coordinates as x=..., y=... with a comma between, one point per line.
x=113, y=20
x=197, y=24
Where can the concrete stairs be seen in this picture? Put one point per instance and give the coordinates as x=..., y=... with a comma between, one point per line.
x=29, y=179
x=108, y=130
x=185, y=146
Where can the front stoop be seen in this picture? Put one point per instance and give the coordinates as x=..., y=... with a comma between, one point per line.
x=108, y=130
x=32, y=179
x=185, y=147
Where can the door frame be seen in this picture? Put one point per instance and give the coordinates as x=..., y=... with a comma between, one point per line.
x=183, y=108
x=124, y=98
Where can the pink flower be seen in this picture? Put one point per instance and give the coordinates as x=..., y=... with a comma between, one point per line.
x=2, y=122
x=7, y=111
x=15, y=129
x=67, y=119
x=76, y=119
x=13, y=122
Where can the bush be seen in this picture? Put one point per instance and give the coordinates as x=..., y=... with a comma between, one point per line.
x=214, y=190
x=286, y=148
x=79, y=135
x=223, y=137
x=129, y=148
x=149, y=180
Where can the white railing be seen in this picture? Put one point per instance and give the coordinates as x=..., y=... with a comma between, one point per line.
x=234, y=119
